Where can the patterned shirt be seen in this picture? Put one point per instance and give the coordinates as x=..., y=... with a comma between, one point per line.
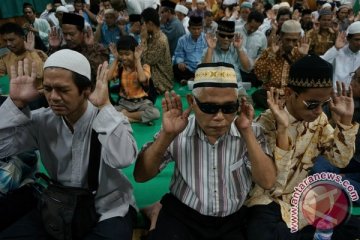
x=320, y=42
x=307, y=141
x=273, y=70
x=213, y=179
x=130, y=85
x=11, y=59
x=157, y=55
x=189, y=51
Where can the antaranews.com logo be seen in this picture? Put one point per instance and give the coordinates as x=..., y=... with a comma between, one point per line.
x=323, y=199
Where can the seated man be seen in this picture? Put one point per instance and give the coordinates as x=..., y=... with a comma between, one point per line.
x=297, y=132
x=217, y=154
x=134, y=77
x=188, y=51
x=62, y=135
x=107, y=31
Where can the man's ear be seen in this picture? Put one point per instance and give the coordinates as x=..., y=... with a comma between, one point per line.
x=190, y=99
x=87, y=92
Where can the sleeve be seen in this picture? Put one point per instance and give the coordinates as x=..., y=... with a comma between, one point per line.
x=330, y=55
x=339, y=145
x=17, y=130
x=3, y=70
x=179, y=54
x=44, y=30
x=262, y=67
x=119, y=148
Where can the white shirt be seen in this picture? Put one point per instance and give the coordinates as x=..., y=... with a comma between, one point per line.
x=137, y=6
x=65, y=154
x=344, y=62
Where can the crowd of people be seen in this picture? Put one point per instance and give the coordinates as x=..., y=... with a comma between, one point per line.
x=235, y=174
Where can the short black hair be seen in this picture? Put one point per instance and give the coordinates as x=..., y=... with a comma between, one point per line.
x=151, y=15
x=11, y=27
x=283, y=11
x=306, y=12
x=28, y=5
x=82, y=82
x=127, y=43
x=256, y=16
x=208, y=13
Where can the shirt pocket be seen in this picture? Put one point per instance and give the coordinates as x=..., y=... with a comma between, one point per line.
x=240, y=180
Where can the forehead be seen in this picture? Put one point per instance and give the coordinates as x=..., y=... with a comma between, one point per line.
x=69, y=28
x=27, y=10
x=217, y=95
x=56, y=76
x=291, y=35
x=356, y=37
x=7, y=36
x=317, y=94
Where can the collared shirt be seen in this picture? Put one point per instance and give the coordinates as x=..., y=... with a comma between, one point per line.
x=189, y=51
x=173, y=30
x=320, y=42
x=213, y=179
x=344, y=62
x=273, y=70
x=307, y=140
x=65, y=154
x=255, y=43
x=37, y=56
x=130, y=85
x=230, y=56
x=109, y=35
x=157, y=55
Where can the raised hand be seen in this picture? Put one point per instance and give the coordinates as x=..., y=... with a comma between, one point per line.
x=182, y=66
x=304, y=45
x=100, y=96
x=138, y=52
x=342, y=104
x=276, y=105
x=89, y=37
x=100, y=19
x=211, y=40
x=30, y=42
x=276, y=45
x=340, y=40
x=54, y=38
x=174, y=118
x=238, y=41
x=296, y=15
x=23, y=83
x=246, y=116
x=270, y=14
x=113, y=50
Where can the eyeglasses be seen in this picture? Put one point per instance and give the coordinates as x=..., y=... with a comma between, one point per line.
x=311, y=105
x=212, y=108
x=228, y=36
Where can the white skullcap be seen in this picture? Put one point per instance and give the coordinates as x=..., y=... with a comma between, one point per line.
x=354, y=28
x=291, y=26
x=70, y=7
x=229, y=2
x=62, y=9
x=326, y=5
x=275, y=7
x=109, y=11
x=188, y=1
x=181, y=8
x=284, y=5
x=69, y=60
x=200, y=1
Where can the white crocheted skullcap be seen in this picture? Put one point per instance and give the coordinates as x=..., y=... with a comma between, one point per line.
x=69, y=60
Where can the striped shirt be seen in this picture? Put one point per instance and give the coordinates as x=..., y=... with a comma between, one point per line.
x=212, y=179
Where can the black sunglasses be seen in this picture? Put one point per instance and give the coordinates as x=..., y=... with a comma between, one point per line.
x=229, y=36
x=212, y=108
x=314, y=105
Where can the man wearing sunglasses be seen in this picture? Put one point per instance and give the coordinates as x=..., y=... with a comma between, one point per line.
x=226, y=46
x=218, y=152
x=297, y=132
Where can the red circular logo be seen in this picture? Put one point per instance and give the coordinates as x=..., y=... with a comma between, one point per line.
x=325, y=205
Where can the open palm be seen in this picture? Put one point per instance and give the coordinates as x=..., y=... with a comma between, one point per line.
x=276, y=105
x=100, y=96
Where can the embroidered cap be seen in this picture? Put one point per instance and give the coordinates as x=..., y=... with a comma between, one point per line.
x=69, y=60
x=311, y=71
x=215, y=75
